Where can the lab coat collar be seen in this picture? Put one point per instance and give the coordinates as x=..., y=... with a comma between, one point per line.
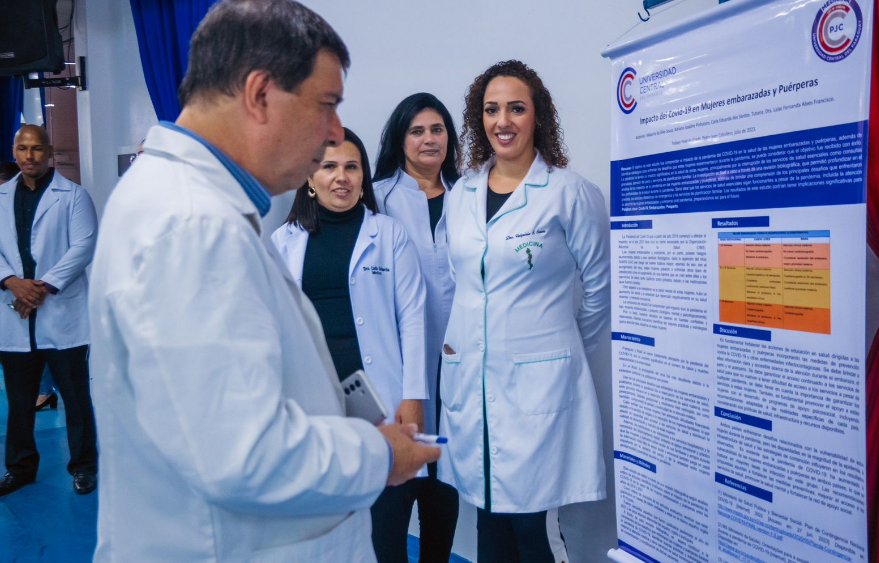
x=8, y=186
x=407, y=181
x=167, y=143
x=62, y=185
x=296, y=241
x=293, y=244
x=365, y=239
x=50, y=197
x=537, y=177
x=369, y=224
x=260, y=197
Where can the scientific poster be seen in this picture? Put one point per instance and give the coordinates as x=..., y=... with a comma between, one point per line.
x=739, y=144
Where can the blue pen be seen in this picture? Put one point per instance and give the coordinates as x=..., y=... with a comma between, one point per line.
x=430, y=439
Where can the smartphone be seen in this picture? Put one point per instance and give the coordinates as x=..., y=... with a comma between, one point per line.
x=362, y=400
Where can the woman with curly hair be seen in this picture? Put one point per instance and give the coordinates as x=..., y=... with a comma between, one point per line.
x=526, y=235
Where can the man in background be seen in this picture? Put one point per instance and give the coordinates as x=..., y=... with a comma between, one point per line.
x=43, y=256
x=221, y=416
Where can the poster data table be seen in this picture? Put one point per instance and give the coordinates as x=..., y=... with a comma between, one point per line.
x=775, y=279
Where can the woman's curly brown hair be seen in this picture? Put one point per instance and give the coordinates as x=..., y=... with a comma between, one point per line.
x=548, y=134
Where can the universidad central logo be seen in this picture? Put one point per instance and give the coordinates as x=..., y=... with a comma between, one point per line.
x=626, y=91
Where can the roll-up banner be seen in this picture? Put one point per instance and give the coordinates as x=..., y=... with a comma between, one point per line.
x=738, y=189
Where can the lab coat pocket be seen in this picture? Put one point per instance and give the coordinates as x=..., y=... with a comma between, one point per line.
x=450, y=382
x=543, y=381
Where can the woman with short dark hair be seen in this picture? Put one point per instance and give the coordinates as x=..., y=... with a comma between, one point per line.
x=519, y=404
x=418, y=162
x=361, y=273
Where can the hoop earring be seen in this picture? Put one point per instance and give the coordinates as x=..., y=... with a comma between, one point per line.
x=311, y=193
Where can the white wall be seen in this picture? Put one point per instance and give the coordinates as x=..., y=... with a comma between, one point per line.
x=400, y=47
x=115, y=111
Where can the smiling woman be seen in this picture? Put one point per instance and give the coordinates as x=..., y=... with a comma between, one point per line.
x=548, y=134
x=361, y=272
x=524, y=235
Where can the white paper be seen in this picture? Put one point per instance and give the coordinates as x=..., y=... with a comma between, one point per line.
x=738, y=188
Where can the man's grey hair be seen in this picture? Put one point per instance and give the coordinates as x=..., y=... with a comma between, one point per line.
x=237, y=37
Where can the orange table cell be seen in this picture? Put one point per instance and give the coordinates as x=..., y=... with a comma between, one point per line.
x=807, y=288
x=732, y=255
x=764, y=285
x=732, y=283
x=806, y=256
x=807, y=319
x=733, y=312
x=763, y=255
x=765, y=314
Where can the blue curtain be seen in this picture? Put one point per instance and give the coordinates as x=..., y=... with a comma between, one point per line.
x=164, y=28
x=11, y=104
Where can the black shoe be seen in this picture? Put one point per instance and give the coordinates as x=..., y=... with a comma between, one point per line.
x=51, y=403
x=12, y=482
x=84, y=483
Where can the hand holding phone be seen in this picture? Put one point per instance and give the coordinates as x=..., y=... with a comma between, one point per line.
x=362, y=400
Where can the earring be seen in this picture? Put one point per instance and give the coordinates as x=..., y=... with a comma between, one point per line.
x=311, y=193
x=361, y=193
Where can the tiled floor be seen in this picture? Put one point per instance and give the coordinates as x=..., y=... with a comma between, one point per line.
x=46, y=521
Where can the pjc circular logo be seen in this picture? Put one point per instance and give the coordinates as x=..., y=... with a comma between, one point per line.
x=625, y=88
x=837, y=29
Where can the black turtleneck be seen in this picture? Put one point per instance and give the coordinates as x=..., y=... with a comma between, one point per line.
x=325, y=281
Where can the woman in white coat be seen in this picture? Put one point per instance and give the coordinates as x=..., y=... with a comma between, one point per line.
x=362, y=275
x=525, y=236
x=417, y=164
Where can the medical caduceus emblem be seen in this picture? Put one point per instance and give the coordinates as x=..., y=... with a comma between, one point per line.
x=530, y=257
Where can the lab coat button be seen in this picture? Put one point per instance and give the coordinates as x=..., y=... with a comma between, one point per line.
x=482, y=296
x=482, y=245
x=359, y=320
x=482, y=347
x=493, y=450
x=367, y=360
x=353, y=281
x=490, y=398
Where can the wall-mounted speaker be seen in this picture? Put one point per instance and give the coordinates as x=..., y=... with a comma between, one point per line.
x=29, y=37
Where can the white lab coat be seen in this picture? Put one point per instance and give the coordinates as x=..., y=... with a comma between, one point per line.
x=62, y=244
x=387, y=298
x=399, y=197
x=519, y=340
x=219, y=412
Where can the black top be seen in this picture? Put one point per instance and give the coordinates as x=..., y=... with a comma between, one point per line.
x=435, y=208
x=25, y=208
x=494, y=202
x=26, y=202
x=325, y=282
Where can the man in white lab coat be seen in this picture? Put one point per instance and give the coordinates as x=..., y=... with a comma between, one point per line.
x=47, y=238
x=220, y=414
